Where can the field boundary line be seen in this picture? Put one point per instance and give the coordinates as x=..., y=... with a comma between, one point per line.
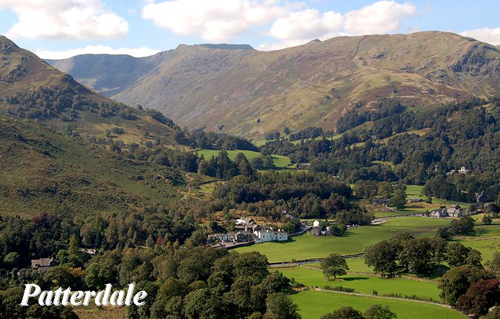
x=382, y=297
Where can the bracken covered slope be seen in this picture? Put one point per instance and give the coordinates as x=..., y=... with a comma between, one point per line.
x=32, y=89
x=250, y=93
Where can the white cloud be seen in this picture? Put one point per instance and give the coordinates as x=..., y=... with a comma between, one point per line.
x=94, y=49
x=282, y=44
x=63, y=19
x=215, y=21
x=379, y=17
x=301, y=27
x=306, y=24
x=487, y=35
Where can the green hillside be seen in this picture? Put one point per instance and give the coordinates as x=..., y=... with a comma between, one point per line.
x=43, y=170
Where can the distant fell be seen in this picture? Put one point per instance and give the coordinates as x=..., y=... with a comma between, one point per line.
x=251, y=93
x=225, y=46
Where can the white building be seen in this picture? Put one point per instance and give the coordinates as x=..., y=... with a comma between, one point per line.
x=268, y=234
x=316, y=223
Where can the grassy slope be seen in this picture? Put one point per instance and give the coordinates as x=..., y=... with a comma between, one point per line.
x=365, y=284
x=355, y=241
x=42, y=170
x=279, y=161
x=313, y=84
x=487, y=240
x=313, y=304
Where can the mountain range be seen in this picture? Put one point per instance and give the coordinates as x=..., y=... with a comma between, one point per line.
x=30, y=88
x=243, y=91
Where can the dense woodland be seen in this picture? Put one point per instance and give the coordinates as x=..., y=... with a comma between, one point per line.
x=459, y=135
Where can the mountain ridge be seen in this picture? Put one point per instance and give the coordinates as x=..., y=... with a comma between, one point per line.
x=242, y=91
x=30, y=88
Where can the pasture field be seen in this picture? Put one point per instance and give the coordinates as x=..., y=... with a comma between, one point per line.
x=355, y=241
x=486, y=240
x=356, y=265
x=279, y=161
x=366, y=284
x=314, y=304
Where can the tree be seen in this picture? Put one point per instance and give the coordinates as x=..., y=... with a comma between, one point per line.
x=462, y=226
x=494, y=263
x=480, y=297
x=456, y=281
x=279, y=306
x=244, y=166
x=334, y=265
x=379, y=312
x=383, y=257
x=444, y=232
x=398, y=200
x=269, y=162
x=346, y=312
x=487, y=220
x=12, y=259
x=257, y=163
x=459, y=255
x=416, y=255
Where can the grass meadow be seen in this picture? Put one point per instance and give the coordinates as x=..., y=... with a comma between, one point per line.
x=355, y=241
x=366, y=284
x=314, y=304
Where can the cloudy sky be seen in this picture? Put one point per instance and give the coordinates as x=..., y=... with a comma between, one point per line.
x=62, y=28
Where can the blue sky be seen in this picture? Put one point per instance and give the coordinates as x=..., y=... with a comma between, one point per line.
x=61, y=28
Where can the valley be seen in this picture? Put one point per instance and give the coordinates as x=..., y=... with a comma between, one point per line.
x=356, y=171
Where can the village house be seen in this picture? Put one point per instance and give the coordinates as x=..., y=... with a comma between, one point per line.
x=455, y=211
x=245, y=224
x=316, y=223
x=441, y=212
x=43, y=264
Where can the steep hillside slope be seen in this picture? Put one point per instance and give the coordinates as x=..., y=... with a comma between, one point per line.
x=31, y=88
x=250, y=93
x=42, y=170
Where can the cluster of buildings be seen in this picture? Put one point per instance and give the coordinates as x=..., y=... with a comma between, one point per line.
x=247, y=231
x=315, y=230
x=454, y=211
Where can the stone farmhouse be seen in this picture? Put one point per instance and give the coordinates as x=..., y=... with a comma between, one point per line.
x=454, y=211
x=43, y=264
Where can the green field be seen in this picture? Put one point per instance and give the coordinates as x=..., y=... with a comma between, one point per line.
x=487, y=240
x=313, y=304
x=355, y=241
x=279, y=161
x=366, y=284
x=415, y=191
x=356, y=265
